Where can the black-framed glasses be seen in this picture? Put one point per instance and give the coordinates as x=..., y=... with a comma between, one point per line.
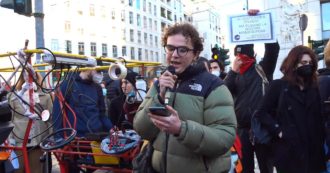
x=181, y=50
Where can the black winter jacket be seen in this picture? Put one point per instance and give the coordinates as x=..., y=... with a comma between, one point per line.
x=298, y=116
x=324, y=85
x=247, y=88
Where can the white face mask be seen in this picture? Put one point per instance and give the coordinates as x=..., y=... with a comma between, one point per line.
x=97, y=78
x=216, y=73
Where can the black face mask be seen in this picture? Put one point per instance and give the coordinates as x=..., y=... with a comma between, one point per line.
x=305, y=70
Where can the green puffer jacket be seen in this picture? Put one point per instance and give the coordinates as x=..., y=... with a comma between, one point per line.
x=208, y=128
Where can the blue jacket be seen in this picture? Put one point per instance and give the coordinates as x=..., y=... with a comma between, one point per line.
x=86, y=99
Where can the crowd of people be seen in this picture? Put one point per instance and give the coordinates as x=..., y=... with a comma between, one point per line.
x=208, y=109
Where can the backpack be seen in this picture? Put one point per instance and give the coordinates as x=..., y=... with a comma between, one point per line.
x=263, y=76
x=259, y=134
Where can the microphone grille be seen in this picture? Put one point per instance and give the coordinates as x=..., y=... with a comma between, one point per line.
x=171, y=69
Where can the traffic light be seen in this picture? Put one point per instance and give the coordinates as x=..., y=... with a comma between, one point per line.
x=220, y=54
x=224, y=57
x=23, y=7
x=215, y=52
x=318, y=48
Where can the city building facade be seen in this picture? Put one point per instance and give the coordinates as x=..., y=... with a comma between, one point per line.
x=131, y=29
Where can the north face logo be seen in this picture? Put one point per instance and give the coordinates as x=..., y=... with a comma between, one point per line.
x=196, y=87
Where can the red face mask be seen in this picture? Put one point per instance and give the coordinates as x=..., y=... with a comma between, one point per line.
x=247, y=62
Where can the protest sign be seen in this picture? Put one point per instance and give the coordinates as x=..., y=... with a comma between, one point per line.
x=245, y=29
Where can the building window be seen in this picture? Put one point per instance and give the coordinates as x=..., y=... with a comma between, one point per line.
x=122, y=1
x=150, y=23
x=162, y=12
x=132, y=53
x=138, y=4
x=151, y=55
x=81, y=48
x=91, y=10
x=145, y=38
x=138, y=20
x=155, y=25
x=155, y=10
x=124, y=34
x=144, y=5
x=325, y=7
x=80, y=12
x=151, y=41
x=123, y=51
x=54, y=45
x=123, y=15
x=140, y=54
x=131, y=18
x=130, y=3
x=163, y=26
x=146, y=55
x=156, y=41
x=169, y=15
x=114, y=51
x=104, y=50
x=139, y=36
x=68, y=46
x=149, y=8
x=93, y=49
x=67, y=26
x=145, y=22
x=157, y=57
x=81, y=31
x=131, y=35
x=113, y=14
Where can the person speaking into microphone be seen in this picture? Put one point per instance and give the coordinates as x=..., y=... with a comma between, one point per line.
x=196, y=129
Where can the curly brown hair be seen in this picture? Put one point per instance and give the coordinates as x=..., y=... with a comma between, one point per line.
x=327, y=55
x=188, y=31
x=290, y=63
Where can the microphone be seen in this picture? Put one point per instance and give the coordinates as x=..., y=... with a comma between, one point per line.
x=171, y=69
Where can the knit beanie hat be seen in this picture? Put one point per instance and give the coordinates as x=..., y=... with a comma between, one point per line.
x=131, y=77
x=246, y=49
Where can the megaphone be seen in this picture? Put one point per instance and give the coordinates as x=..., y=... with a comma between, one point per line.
x=117, y=71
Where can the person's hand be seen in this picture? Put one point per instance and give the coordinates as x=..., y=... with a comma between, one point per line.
x=237, y=64
x=170, y=124
x=253, y=12
x=166, y=80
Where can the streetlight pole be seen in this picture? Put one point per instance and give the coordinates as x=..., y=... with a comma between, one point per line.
x=39, y=26
x=247, y=5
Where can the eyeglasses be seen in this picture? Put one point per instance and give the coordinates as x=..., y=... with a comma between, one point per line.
x=181, y=50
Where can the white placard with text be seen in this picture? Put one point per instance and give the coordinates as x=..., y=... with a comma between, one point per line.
x=246, y=29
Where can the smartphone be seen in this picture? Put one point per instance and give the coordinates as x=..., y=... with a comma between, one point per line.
x=159, y=110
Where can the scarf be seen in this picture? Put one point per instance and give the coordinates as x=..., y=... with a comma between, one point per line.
x=247, y=63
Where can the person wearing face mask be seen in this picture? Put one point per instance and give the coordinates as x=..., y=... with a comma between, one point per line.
x=245, y=84
x=217, y=69
x=298, y=126
x=83, y=92
x=123, y=108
